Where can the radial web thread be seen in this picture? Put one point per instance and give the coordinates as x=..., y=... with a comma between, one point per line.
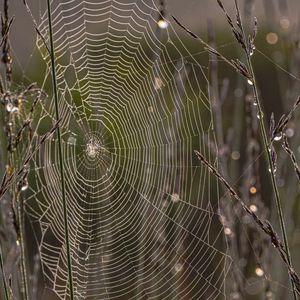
x=143, y=219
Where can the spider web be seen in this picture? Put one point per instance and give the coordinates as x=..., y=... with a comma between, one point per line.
x=143, y=219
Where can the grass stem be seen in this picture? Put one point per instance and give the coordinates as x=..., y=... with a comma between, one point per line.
x=267, y=148
x=21, y=242
x=63, y=189
x=6, y=297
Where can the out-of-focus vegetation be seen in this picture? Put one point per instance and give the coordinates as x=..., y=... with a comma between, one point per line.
x=232, y=140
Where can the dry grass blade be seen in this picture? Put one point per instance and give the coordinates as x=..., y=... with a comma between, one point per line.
x=237, y=33
x=6, y=293
x=7, y=29
x=292, y=156
x=277, y=132
x=7, y=180
x=36, y=27
x=270, y=156
x=263, y=224
x=237, y=65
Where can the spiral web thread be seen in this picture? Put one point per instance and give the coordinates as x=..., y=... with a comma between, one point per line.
x=143, y=220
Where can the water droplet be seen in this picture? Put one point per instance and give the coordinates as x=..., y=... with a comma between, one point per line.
x=222, y=219
x=250, y=82
x=272, y=38
x=274, y=170
x=24, y=185
x=285, y=23
x=26, y=168
x=235, y=296
x=260, y=115
x=253, y=190
x=235, y=155
x=162, y=24
x=259, y=271
x=9, y=107
x=278, y=136
x=253, y=208
x=227, y=231
x=269, y=295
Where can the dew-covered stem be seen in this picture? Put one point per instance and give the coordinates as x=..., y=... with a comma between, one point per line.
x=265, y=142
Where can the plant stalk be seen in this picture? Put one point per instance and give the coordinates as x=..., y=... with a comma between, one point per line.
x=63, y=189
x=272, y=174
x=22, y=248
x=6, y=297
x=267, y=150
